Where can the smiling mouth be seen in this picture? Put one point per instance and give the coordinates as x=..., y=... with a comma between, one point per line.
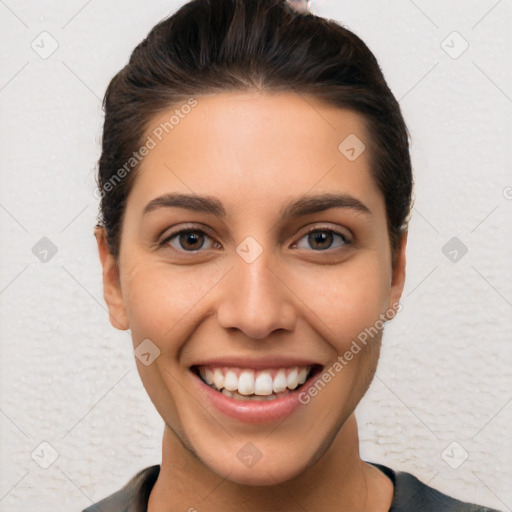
x=255, y=385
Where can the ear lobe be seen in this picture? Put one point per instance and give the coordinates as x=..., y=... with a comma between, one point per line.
x=111, y=283
x=398, y=276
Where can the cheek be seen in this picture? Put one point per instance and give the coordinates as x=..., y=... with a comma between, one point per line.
x=160, y=299
x=348, y=298
x=163, y=302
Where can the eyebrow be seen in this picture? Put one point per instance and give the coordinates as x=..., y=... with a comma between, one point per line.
x=304, y=205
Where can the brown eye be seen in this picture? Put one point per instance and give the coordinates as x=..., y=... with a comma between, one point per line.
x=323, y=239
x=188, y=240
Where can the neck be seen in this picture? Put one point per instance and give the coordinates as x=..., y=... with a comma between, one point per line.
x=338, y=481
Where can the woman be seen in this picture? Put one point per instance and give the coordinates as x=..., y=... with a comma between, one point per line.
x=255, y=185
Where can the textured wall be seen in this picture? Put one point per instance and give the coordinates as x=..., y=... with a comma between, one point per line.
x=69, y=379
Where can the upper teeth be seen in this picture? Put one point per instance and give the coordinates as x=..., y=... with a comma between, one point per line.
x=248, y=382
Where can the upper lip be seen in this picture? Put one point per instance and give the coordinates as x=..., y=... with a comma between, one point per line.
x=260, y=363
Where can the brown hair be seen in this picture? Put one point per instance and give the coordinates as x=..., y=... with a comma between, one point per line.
x=210, y=46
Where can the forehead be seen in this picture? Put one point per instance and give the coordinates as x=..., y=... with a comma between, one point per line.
x=256, y=145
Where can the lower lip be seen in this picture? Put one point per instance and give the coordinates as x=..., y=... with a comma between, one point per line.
x=249, y=411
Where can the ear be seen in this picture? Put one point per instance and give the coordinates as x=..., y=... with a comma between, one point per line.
x=111, y=282
x=398, y=277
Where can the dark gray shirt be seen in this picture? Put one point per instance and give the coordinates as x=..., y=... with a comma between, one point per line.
x=410, y=495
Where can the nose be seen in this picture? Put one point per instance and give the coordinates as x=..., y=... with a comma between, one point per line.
x=256, y=299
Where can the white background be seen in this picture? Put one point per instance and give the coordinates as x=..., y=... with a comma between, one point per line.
x=69, y=378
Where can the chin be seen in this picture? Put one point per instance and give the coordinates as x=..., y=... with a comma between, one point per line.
x=274, y=462
x=263, y=473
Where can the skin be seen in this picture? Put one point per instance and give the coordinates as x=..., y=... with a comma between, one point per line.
x=254, y=152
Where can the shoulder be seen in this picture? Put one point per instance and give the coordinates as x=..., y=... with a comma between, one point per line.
x=132, y=497
x=411, y=494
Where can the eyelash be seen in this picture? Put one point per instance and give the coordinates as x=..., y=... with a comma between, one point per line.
x=166, y=241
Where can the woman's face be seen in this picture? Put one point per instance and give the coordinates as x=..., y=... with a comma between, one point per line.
x=248, y=291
